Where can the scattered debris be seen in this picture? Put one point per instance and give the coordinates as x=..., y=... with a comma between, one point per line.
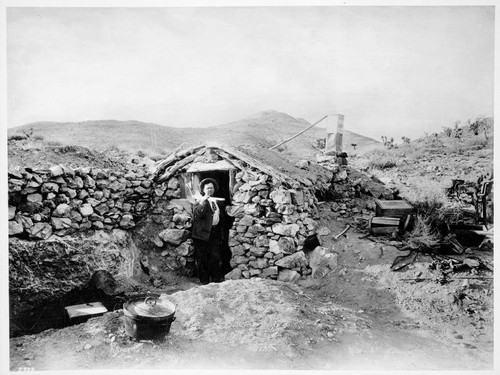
x=343, y=232
x=404, y=260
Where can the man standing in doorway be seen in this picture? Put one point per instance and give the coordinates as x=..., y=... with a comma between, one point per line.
x=207, y=233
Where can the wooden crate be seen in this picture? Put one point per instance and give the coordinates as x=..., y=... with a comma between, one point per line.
x=80, y=313
x=384, y=225
x=395, y=208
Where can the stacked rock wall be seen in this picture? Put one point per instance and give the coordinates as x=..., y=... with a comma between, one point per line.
x=168, y=227
x=271, y=223
x=62, y=200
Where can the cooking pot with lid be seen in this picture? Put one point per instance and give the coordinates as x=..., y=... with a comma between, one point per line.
x=147, y=317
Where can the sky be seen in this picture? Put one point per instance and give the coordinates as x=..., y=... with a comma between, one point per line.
x=393, y=71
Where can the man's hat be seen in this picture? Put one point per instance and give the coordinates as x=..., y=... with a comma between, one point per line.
x=208, y=181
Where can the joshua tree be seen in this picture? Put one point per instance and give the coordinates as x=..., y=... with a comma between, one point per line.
x=447, y=131
x=389, y=143
x=354, y=145
x=481, y=124
x=457, y=131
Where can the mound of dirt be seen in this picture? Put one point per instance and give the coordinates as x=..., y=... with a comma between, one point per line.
x=252, y=316
x=260, y=314
x=42, y=156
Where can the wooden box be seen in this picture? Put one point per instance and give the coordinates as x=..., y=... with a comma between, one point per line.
x=384, y=225
x=396, y=208
x=80, y=313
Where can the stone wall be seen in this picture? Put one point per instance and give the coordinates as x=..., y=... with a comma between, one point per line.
x=168, y=229
x=266, y=239
x=271, y=223
x=63, y=200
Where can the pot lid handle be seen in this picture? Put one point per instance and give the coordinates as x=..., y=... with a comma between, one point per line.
x=150, y=301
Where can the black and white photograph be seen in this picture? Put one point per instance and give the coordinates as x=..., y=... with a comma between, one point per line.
x=254, y=186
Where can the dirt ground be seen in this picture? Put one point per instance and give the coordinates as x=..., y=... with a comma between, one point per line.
x=361, y=316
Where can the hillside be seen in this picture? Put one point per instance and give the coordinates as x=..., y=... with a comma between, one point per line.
x=264, y=129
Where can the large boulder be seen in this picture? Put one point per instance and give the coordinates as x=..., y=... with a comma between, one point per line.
x=281, y=196
x=235, y=211
x=184, y=249
x=233, y=275
x=289, y=276
x=247, y=220
x=60, y=223
x=40, y=231
x=15, y=228
x=180, y=205
x=56, y=171
x=127, y=221
x=174, y=236
x=295, y=260
x=259, y=263
x=284, y=245
x=181, y=219
x=86, y=209
x=286, y=229
x=322, y=261
x=12, y=212
x=269, y=271
x=34, y=198
x=62, y=210
x=50, y=187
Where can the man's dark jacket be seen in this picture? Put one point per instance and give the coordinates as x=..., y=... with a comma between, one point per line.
x=202, y=220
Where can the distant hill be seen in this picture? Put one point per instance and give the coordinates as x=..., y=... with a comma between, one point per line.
x=263, y=129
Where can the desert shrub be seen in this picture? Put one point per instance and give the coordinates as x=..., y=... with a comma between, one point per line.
x=422, y=236
x=428, y=197
x=481, y=124
x=447, y=131
x=475, y=143
x=434, y=142
x=383, y=163
x=321, y=143
x=31, y=145
x=17, y=137
x=157, y=157
x=382, y=159
x=67, y=149
x=483, y=154
x=38, y=137
x=54, y=143
x=113, y=147
x=141, y=153
x=450, y=215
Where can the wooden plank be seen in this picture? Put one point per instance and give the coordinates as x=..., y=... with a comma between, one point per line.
x=171, y=171
x=384, y=221
x=86, y=309
x=220, y=165
x=258, y=165
x=383, y=225
x=173, y=157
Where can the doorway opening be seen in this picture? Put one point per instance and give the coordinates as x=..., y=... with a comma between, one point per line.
x=224, y=180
